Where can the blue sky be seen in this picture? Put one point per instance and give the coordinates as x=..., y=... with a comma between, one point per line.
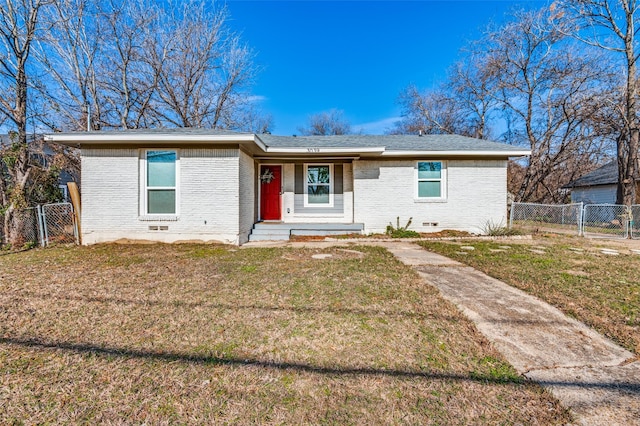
x=355, y=56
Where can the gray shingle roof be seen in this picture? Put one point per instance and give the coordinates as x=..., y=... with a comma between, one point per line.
x=605, y=175
x=171, y=131
x=387, y=144
x=390, y=142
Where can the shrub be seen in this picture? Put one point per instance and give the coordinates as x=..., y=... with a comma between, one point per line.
x=401, y=231
x=498, y=230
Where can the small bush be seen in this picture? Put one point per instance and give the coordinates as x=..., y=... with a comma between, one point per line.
x=498, y=230
x=401, y=231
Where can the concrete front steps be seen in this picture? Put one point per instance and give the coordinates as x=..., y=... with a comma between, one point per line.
x=273, y=231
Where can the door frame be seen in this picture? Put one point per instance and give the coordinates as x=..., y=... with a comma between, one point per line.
x=260, y=191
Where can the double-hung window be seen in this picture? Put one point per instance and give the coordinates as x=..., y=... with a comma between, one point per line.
x=318, y=185
x=431, y=180
x=160, y=182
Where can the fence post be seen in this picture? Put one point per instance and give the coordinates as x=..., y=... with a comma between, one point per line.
x=581, y=220
x=511, y=215
x=45, y=241
x=41, y=225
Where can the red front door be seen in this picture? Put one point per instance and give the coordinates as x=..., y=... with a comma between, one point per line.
x=270, y=186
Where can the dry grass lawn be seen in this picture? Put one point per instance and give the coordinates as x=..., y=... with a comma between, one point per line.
x=165, y=334
x=570, y=273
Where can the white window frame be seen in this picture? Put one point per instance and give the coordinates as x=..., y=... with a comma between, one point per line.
x=443, y=181
x=306, y=185
x=65, y=192
x=144, y=188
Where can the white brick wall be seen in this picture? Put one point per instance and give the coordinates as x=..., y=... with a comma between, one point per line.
x=247, y=181
x=384, y=190
x=208, y=197
x=218, y=192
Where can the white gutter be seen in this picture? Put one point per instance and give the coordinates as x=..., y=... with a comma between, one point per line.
x=89, y=138
x=323, y=150
x=456, y=153
x=92, y=138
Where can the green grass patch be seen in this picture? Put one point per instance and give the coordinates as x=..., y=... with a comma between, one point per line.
x=207, y=334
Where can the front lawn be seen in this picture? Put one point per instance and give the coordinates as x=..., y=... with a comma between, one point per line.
x=571, y=273
x=213, y=334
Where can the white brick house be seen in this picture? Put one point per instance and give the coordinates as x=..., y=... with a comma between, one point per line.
x=209, y=185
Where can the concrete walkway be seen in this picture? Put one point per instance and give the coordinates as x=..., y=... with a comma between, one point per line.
x=596, y=379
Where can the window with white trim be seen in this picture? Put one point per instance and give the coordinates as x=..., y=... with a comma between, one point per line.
x=431, y=180
x=160, y=182
x=318, y=189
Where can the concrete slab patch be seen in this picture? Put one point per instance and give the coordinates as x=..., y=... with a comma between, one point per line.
x=610, y=252
x=414, y=255
x=497, y=250
x=321, y=256
x=504, y=247
x=470, y=248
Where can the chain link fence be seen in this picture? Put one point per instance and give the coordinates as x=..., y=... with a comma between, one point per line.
x=43, y=225
x=59, y=224
x=605, y=220
x=24, y=227
x=589, y=220
x=553, y=217
x=635, y=221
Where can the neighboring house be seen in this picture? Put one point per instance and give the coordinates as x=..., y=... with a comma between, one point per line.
x=44, y=152
x=211, y=185
x=597, y=187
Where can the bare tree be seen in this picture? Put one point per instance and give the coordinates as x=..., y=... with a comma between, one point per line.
x=330, y=122
x=140, y=64
x=19, y=26
x=203, y=69
x=472, y=84
x=431, y=112
x=618, y=20
x=68, y=53
x=550, y=93
x=127, y=80
x=462, y=105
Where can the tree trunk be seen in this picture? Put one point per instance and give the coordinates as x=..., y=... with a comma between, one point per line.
x=628, y=154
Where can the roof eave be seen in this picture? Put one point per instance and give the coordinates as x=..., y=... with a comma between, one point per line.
x=325, y=151
x=89, y=139
x=457, y=153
